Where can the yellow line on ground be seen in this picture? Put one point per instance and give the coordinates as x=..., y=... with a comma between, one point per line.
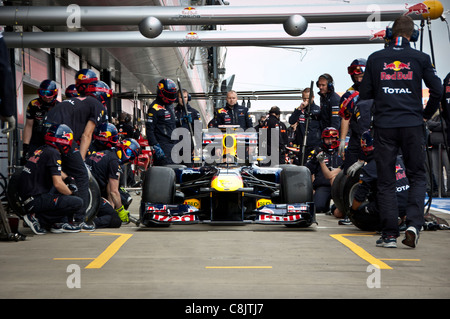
x=359, y=251
x=73, y=258
x=106, y=255
x=109, y=251
x=238, y=267
x=399, y=259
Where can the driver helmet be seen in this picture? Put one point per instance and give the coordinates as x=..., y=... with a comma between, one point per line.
x=367, y=142
x=358, y=66
x=333, y=133
x=48, y=90
x=59, y=136
x=106, y=135
x=167, y=91
x=100, y=90
x=127, y=150
x=82, y=78
x=71, y=91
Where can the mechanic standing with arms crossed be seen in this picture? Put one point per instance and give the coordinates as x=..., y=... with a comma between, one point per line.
x=233, y=113
x=393, y=79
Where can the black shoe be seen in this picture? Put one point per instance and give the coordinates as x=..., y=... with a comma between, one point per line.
x=387, y=242
x=346, y=221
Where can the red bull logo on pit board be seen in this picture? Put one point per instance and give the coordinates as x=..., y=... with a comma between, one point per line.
x=418, y=9
x=378, y=35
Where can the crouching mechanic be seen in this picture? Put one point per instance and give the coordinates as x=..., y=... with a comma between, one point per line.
x=324, y=166
x=106, y=168
x=44, y=194
x=364, y=209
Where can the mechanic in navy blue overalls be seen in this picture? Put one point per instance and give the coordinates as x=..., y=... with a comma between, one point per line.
x=367, y=188
x=160, y=122
x=37, y=109
x=233, y=113
x=393, y=78
x=300, y=116
x=356, y=117
x=446, y=105
x=82, y=114
x=324, y=164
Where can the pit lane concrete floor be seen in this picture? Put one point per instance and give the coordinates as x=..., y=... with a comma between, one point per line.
x=225, y=262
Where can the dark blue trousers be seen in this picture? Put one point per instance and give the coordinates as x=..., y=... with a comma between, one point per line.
x=53, y=208
x=73, y=165
x=387, y=144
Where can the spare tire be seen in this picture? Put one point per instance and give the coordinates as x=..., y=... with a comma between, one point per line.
x=95, y=198
x=337, y=191
x=348, y=191
x=12, y=193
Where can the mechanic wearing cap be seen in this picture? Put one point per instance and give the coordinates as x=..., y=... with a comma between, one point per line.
x=356, y=117
x=273, y=122
x=160, y=122
x=34, y=130
x=82, y=114
x=329, y=102
x=393, y=78
x=7, y=92
x=233, y=113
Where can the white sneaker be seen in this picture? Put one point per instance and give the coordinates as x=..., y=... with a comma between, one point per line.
x=411, y=237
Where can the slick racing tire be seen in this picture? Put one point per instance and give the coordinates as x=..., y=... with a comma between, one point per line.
x=12, y=193
x=94, y=198
x=349, y=189
x=159, y=185
x=366, y=218
x=296, y=184
x=337, y=191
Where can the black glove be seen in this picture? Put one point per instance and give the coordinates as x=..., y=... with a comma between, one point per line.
x=70, y=182
x=24, y=158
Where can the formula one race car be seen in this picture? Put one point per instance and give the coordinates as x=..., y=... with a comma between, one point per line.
x=227, y=191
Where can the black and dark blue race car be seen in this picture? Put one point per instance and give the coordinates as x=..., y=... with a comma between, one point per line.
x=229, y=190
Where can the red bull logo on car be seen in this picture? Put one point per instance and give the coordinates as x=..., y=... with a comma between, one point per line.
x=397, y=66
x=419, y=8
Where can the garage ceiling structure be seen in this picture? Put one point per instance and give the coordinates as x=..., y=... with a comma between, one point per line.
x=139, y=68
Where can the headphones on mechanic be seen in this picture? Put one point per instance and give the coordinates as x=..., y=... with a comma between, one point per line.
x=329, y=78
x=414, y=36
